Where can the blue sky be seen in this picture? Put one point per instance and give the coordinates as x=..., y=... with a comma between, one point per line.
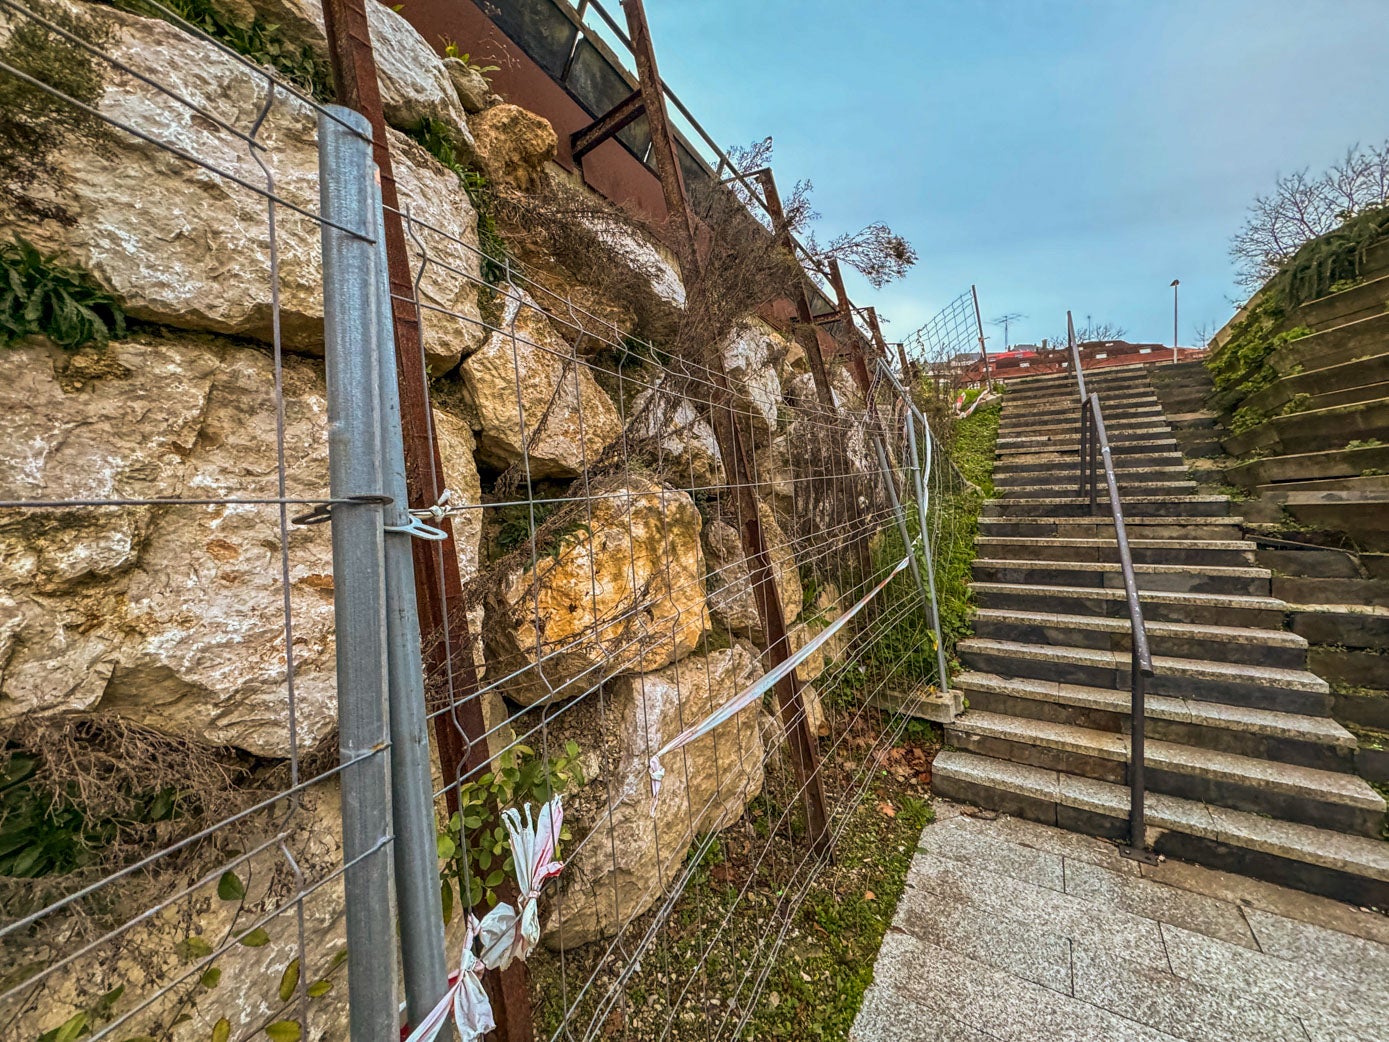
x=1057, y=153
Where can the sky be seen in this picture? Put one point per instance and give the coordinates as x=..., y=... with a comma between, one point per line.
x=1056, y=153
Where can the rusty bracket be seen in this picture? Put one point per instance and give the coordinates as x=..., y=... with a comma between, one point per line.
x=623, y=114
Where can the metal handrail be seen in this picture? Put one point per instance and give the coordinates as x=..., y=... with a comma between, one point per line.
x=1094, y=440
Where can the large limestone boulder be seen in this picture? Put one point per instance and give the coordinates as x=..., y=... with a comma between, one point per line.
x=513, y=145
x=471, y=85
x=750, y=354
x=732, y=601
x=415, y=82
x=619, y=588
x=667, y=427
x=188, y=247
x=527, y=370
x=627, y=850
x=172, y=616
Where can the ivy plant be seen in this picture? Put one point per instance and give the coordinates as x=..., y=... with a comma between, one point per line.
x=474, y=846
x=40, y=296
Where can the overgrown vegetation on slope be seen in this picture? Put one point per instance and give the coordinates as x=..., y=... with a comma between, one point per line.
x=39, y=296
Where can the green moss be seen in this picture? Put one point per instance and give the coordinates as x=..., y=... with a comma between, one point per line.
x=259, y=40
x=434, y=138
x=35, y=123
x=39, y=296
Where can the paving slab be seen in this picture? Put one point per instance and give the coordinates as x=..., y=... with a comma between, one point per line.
x=1013, y=930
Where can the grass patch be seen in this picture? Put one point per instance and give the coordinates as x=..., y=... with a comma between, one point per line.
x=747, y=886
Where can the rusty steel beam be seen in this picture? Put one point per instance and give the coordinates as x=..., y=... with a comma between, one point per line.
x=623, y=114
x=805, y=334
x=459, y=733
x=804, y=748
x=663, y=150
x=853, y=342
x=882, y=346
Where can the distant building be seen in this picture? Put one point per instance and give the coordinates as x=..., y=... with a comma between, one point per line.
x=1032, y=360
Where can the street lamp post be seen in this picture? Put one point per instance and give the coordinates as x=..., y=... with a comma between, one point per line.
x=1175, y=284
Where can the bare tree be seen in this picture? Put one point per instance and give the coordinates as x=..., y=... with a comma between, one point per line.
x=877, y=252
x=1302, y=207
x=1091, y=332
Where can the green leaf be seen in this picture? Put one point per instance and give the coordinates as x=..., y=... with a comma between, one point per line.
x=257, y=938
x=319, y=988
x=339, y=957
x=289, y=980
x=221, y=1031
x=71, y=1027
x=285, y=1031
x=194, y=948
x=211, y=978
x=447, y=848
x=446, y=899
x=110, y=998
x=494, y=880
x=230, y=888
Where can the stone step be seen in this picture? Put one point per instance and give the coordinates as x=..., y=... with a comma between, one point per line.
x=1146, y=432
x=1214, y=643
x=1335, y=346
x=1314, y=429
x=1298, y=589
x=1344, y=625
x=1046, y=463
x=1134, y=506
x=1102, y=381
x=1198, y=608
x=1345, y=867
x=1068, y=476
x=1223, y=552
x=1103, y=527
x=1241, y=684
x=1023, y=417
x=1164, y=578
x=1336, y=309
x=1132, y=486
x=1071, y=447
x=1071, y=426
x=1293, y=738
x=1310, y=466
x=1323, y=381
x=1065, y=409
x=1361, y=513
x=1307, y=795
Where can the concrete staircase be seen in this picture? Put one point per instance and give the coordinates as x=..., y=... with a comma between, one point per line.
x=1247, y=771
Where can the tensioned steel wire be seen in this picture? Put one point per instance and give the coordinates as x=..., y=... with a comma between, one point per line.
x=832, y=542
x=145, y=937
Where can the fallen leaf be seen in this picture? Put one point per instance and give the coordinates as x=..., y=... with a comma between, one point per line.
x=868, y=895
x=887, y=810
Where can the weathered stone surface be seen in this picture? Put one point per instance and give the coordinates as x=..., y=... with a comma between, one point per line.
x=471, y=85
x=513, y=145
x=811, y=626
x=622, y=590
x=625, y=857
x=416, y=84
x=732, y=602
x=172, y=615
x=644, y=256
x=155, y=954
x=681, y=441
x=569, y=420
x=750, y=355
x=187, y=247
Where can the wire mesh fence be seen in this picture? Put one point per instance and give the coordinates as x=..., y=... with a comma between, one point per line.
x=700, y=607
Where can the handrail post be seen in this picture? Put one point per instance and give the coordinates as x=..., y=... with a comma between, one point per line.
x=1137, y=847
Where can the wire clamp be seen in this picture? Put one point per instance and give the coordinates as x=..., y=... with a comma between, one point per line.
x=323, y=513
x=419, y=530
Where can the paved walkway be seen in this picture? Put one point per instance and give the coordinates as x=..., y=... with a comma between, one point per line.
x=1018, y=932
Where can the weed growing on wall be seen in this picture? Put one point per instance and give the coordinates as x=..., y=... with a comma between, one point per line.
x=34, y=123
x=257, y=39
x=39, y=296
x=433, y=138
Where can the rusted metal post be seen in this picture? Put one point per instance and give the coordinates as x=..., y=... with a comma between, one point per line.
x=882, y=345
x=854, y=342
x=979, y=325
x=804, y=748
x=447, y=644
x=805, y=327
x=663, y=150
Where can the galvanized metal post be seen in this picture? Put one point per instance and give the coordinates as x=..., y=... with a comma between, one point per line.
x=351, y=344
x=423, y=961
x=922, y=506
x=897, y=512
